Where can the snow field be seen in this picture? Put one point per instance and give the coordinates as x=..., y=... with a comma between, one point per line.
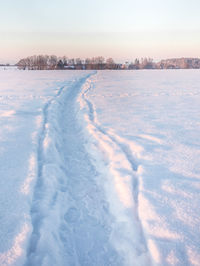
x=99, y=168
x=156, y=114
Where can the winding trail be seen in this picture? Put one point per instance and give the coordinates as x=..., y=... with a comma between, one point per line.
x=125, y=174
x=69, y=206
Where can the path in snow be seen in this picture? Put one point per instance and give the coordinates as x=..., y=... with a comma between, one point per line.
x=70, y=215
x=120, y=169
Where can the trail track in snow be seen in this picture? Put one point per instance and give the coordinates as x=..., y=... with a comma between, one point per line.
x=70, y=216
x=124, y=169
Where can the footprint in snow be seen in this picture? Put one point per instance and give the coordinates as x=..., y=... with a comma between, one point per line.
x=72, y=215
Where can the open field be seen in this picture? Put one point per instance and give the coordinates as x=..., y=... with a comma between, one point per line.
x=100, y=167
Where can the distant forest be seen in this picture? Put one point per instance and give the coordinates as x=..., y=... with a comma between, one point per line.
x=52, y=62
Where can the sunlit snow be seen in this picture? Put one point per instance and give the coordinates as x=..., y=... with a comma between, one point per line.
x=100, y=168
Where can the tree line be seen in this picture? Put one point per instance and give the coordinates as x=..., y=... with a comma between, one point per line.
x=52, y=62
x=46, y=62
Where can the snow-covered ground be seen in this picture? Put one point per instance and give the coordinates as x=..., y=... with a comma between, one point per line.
x=8, y=68
x=100, y=168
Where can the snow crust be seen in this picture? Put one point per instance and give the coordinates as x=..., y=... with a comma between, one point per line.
x=99, y=168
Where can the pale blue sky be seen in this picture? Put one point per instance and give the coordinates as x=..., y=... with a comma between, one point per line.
x=122, y=29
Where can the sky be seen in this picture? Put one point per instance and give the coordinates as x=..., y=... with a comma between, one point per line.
x=124, y=30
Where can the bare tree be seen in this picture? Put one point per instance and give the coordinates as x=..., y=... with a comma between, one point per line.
x=53, y=61
x=110, y=64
